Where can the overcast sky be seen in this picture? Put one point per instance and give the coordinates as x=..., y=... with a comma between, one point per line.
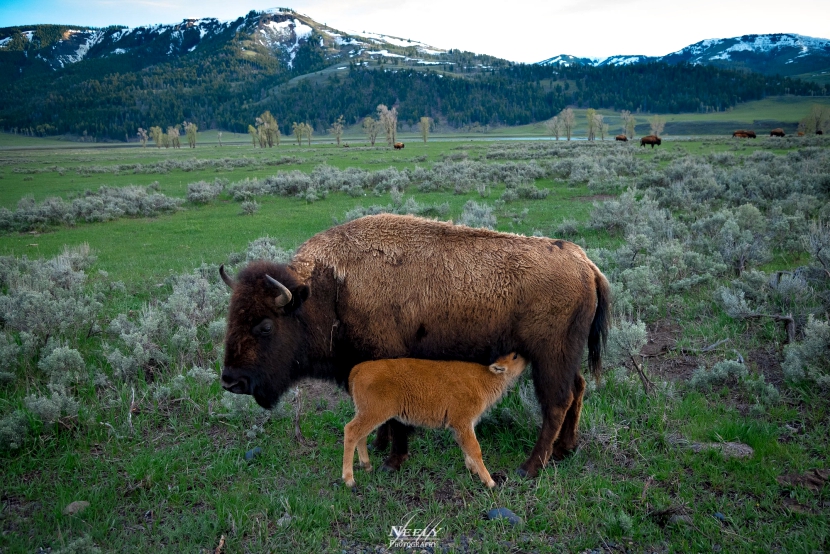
x=518, y=30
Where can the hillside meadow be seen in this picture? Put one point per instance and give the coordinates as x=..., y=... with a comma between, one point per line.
x=708, y=431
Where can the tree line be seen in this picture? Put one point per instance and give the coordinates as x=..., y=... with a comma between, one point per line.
x=222, y=89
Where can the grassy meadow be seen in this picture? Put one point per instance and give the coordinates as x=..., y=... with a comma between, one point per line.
x=112, y=330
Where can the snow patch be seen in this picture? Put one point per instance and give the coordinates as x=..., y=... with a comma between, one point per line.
x=385, y=53
x=119, y=51
x=5, y=41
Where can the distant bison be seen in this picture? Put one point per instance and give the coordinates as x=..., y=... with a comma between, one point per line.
x=819, y=132
x=742, y=133
x=652, y=140
x=621, y=138
x=801, y=133
x=399, y=145
x=779, y=132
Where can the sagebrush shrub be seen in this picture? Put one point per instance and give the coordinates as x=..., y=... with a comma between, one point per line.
x=64, y=366
x=13, y=430
x=477, y=215
x=203, y=192
x=808, y=361
x=728, y=372
x=49, y=409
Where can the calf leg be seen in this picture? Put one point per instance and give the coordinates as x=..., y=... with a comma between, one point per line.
x=355, y=434
x=555, y=394
x=400, y=445
x=466, y=438
x=566, y=441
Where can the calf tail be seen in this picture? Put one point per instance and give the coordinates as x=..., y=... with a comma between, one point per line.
x=598, y=335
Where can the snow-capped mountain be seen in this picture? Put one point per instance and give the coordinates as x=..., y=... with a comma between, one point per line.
x=780, y=53
x=280, y=32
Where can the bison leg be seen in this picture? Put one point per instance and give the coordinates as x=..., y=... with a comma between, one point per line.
x=566, y=441
x=555, y=393
x=382, y=437
x=400, y=445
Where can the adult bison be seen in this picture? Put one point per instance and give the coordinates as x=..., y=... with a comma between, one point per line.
x=652, y=140
x=621, y=138
x=743, y=133
x=390, y=286
x=779, y=132
x=399, y=146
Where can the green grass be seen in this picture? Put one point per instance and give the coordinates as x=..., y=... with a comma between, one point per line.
x=171, y=477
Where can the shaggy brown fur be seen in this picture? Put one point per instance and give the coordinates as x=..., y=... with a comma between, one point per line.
x=430, y=394
x=399, y=146
x=392, y=286
x=621, y=138
x=743, y=133
x=652, y=140
x=779, y=132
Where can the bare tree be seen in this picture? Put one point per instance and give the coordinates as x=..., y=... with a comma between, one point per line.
x=568, y=120
x=389, y=121
x=336, y=129
x=657, y=124
x=371, y=127
x=268, y=130
x=156, y=134
x=308, y=130
x=554, y=126
x=629, y=123
x=817, y=120
x=425, y=124
x=591, y=115
x=173, y=133
x=190, y=132
x=299, y=132
x=142, y=136
x=602, y=126
x=219, y=136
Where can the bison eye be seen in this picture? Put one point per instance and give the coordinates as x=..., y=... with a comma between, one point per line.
x=265, y=328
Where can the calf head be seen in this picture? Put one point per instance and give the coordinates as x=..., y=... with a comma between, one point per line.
x=511, y=364
x=265, y=343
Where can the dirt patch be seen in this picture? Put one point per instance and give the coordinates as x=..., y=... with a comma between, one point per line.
x=664, y=362
x=767, y=362
x=320, y=395
x=814, y=480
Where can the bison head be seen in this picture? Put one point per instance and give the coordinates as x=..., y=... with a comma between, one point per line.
x=265, y=340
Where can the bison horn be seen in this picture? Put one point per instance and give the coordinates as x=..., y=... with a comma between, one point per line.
x=285, y=296
x=228, y=280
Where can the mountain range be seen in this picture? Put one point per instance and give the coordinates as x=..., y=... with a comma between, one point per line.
x=107, y=82
x=770, y=54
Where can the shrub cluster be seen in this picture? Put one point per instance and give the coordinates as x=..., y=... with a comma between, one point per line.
x=107, y=203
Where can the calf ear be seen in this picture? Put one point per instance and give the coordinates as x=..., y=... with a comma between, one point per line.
x=497, y=369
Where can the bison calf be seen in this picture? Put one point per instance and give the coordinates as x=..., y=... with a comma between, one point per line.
x=426, y=393
x=399, y=146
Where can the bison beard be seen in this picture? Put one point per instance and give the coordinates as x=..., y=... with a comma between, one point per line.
x=398, y=286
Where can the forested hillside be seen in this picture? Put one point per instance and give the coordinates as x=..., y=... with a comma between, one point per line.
x=107, y=83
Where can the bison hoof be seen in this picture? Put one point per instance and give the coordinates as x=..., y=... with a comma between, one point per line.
x=394, y=462
x=560, y=453
x=527, y=473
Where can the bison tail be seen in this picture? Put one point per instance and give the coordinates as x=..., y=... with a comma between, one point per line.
x=598, y=335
